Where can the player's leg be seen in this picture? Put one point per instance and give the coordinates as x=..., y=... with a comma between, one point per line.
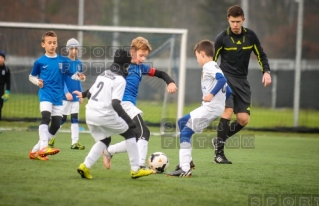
x=1, y=100
x=98, y=133
x=133, y=154
x=142, y=135
x=185, y=151
x=75, y=108
x=242, y=104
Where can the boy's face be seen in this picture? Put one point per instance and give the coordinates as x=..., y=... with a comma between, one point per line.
x=1, y=60
x=200, y=57
x=236, y=23
x=139, y=56
x=73, y=52
x=50, y=44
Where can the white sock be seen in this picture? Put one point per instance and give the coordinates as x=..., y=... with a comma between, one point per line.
x=132, y=151
x=142, y=150
x=94, y=154
x=36, y=147
x=185, y=155
x=75, y=133
x=117, y=148
x=43, y=133
x=49, y=136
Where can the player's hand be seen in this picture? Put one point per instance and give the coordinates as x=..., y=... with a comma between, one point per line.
x=81, y=76
x=78, y=94
x=171, y=88
x=40, y=83
x=266, y=79
x=6, y=96
x=69, y=96
x=208, y=97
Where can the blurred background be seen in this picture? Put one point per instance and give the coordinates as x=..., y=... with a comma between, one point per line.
x=274, y=22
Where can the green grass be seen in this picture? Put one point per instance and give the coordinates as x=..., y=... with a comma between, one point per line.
x=279, y=164
x=27, y=106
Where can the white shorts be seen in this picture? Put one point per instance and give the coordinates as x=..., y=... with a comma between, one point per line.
x=102, y=126
x=202, y=116
x=70, y=107
x=53, y=109
x=131, y=109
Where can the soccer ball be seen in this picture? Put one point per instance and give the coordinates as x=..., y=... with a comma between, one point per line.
x=158, y=161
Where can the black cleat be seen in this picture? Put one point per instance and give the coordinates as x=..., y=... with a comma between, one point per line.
x=221, y=159
x=191, y=164
x=179, y=173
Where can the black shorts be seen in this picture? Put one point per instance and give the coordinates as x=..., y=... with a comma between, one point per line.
x=240, y=100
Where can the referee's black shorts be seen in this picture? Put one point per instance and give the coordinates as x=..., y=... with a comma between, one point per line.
x=240, y=100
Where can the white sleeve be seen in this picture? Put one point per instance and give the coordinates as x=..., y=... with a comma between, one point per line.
x=118, y=89
x=34, y=79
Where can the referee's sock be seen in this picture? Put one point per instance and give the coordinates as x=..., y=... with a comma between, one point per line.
x=234, y=127
x=222, y=129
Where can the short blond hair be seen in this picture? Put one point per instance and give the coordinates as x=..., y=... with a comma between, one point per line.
x=140, y=43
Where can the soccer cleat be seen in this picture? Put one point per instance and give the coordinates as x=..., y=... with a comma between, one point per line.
x=220, y=158
x=180, y=173
x=106, y=158
x=48, y=151
x=35, y=156
x=84, y=171
x=141, y=173
x=191, y=164
x=77, y=146
x=51, y=142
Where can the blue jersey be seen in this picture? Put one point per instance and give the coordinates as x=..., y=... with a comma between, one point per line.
x=133, y=79
x=51, y=71
x=70, y=84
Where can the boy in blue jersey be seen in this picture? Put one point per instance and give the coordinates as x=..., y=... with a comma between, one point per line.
x=47, y=73
x=214, y=88
x=140, y=49
x=71, y=103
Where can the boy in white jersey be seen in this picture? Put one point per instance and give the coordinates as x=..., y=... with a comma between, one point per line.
x=47, y=73
x=71, y=103
x=214, y=88
x=105, y=117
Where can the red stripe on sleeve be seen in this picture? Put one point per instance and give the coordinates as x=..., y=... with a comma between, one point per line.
x=151, y=72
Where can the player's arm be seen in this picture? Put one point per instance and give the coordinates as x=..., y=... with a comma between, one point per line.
x=67, y=94
x=117, y=94
x=33, y=77
x=171, y=87
x=7, y=80
x=221, y=81
x=84, y=94
x=218, y=43
x=74, y=75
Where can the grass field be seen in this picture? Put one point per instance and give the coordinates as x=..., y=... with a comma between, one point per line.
x=279, y=164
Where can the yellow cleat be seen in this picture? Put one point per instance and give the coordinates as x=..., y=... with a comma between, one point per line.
x=84, y=171
x=48, y=151
x=141, y=173
x=51, y=142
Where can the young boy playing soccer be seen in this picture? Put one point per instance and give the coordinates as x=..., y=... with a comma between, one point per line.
x=214, y=88
x=47, y=73
x=71, y=104
x=105, y=117
x=140, y=49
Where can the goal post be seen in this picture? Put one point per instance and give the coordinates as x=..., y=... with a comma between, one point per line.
x=138, y=30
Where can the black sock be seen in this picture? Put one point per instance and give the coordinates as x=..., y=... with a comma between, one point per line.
x=234, y=127
x=222, y=130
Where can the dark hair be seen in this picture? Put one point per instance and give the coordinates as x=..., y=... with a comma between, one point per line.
x=206, y=46
x=48, y=33
x=235, y=11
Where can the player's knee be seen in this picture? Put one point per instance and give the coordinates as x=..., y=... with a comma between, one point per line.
x=55, y=124
x=63, y=120
x=243, y=121
x=228, y=113
x=128, y=134
x=46, y=117
x=186, y=135
x=106, y=141
x=74, y=119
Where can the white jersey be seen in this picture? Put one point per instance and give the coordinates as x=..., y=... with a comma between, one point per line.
x=106, y=87
x=208, y=82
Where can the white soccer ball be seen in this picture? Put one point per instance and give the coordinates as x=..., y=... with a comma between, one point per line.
x=158, y=161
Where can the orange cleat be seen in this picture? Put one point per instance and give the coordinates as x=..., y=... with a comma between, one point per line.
x=35, y=156
x=48, y=151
